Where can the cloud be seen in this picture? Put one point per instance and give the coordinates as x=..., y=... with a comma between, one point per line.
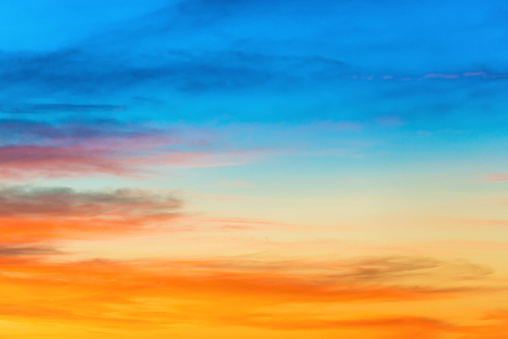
x=493, y=325
x=497, y=177
x=59, y=108
x=18, y=250
x=29, y=161
x=208, y=293
x=295, y=322
x=193, y=72
x=84, y=73
x=31, y=149
x=373, y=270
x=39, y=214
x=30, y=132
x=26, y=201
x=392, y=268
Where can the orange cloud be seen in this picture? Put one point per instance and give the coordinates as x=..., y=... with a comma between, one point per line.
x=188, y=291
x=296, y=322
x=493, y=326
x=29, y=215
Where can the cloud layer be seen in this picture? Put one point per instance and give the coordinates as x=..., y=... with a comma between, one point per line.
x=44, y=214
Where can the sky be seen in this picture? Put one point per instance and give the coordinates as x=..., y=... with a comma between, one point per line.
x=247, y=169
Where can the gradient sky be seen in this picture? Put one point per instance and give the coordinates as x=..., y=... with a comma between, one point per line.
x=249, y=169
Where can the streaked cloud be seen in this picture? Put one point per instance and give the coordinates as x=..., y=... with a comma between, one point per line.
x=30, y=214
x=162, y=292
x=20, y=250
x=97, y=147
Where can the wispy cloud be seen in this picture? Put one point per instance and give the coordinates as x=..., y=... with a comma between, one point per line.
x=31, y=108
x=31, y=149
x=497, y=177
x=40, y=214
x=20, y=250
x=295, y=322
x=138, y=290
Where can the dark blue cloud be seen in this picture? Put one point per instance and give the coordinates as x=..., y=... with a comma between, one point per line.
x=33, y=108
x=36, y=132
x=277, y=60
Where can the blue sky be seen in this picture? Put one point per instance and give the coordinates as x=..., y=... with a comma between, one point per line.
x=256, y=61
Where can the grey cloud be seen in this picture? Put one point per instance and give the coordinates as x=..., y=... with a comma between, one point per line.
x=58, y=108
x=26, y=131
x=65, y=202
x=17, y=250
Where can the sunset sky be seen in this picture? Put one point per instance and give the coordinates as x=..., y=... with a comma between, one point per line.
x=287, y=169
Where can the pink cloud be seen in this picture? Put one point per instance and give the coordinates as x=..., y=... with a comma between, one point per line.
x=430, y=76
x=125, y=155
x=497, y=177
x=441, y=75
